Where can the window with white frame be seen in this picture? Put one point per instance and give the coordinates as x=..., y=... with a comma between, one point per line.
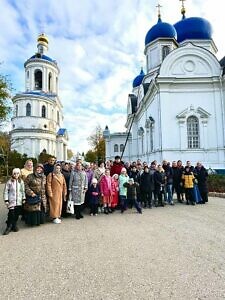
x=193, y=132
x=121, y=147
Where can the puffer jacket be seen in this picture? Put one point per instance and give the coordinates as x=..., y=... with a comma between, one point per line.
x=188, y=180
x=14, y=192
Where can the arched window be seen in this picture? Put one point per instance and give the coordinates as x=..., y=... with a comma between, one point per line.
x=116, y=148
x=38, y=80
x=193, y=132
x=16, y=111
x=165, y=51
x=27, y=74
x=28, y=110
x=121, y=147
x=43, y=111
x=50, y=82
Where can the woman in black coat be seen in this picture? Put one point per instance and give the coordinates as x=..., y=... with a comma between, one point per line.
x=146, y=187
x=201, y=175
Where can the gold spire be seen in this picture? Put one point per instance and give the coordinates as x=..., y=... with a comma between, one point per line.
x=183, y=10
x=159, y=11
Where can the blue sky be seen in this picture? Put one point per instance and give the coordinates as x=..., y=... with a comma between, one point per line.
x=99, y=48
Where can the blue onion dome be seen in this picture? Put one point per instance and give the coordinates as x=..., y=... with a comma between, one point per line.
x=160, y=30
x=193, y=28
x=138, y=80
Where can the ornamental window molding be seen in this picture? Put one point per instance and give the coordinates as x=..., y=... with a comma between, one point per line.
x=199, y=112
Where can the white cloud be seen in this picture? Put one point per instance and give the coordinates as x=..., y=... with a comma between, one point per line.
x=99, y=47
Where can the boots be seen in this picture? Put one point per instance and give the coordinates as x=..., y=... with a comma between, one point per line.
x=106, y=211
x=15, y=228
x=7, y=230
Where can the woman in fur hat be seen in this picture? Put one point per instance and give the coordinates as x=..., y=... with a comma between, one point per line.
x=36, y=202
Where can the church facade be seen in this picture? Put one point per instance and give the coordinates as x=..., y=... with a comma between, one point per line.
x=38, y=115
x=176, y=110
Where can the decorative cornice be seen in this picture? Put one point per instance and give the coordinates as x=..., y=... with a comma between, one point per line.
x=34, y=130
x=35, y=97
x=38, y=60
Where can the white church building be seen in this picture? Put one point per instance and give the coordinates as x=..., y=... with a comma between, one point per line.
x=177, y=109
x=38, y=115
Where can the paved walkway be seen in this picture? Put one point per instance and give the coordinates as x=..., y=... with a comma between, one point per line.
x=165, y=253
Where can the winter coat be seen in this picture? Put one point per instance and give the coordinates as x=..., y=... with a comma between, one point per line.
x=160, y=179
x=56, y=190
x=169, y=175
x=146, y=182
x=131, y=190
x=14, y=192
x=134, y=175
x=201, y=175
x=37, y=185
x=24, y=173
x=105, y=187
x=98, y=173
x=116, y=168
x=48, y=169
x=90, y=175
x=115, y=192
x=122, y=188
x=94, y=194
x=78, y=186
x=66, y=175
x=177, y=174
x=188, y=179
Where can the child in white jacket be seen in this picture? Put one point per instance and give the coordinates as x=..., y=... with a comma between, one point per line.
x=14, y=196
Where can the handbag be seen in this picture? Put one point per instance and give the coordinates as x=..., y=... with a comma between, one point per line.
x=70, y=207
x=33, y=200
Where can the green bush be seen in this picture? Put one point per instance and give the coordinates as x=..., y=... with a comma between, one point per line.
x=216, y=183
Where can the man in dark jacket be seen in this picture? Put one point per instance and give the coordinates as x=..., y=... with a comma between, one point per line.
x=49, y=166
x=146, y=187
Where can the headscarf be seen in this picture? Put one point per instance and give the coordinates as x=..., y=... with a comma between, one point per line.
x=56, y=171
x=39, y=174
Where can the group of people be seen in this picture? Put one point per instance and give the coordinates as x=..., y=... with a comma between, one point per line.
x=49, y=189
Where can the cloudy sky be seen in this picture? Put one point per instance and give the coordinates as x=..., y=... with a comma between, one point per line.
x=99, y=48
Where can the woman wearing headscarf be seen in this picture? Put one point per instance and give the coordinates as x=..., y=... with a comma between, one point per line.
x=27, y=170
x=35, y=188
x=78, y=187
x=56, y=190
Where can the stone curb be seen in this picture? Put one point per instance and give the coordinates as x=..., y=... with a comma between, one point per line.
x=215, y=194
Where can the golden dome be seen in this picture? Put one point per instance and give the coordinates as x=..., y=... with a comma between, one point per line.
x=42, y=38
